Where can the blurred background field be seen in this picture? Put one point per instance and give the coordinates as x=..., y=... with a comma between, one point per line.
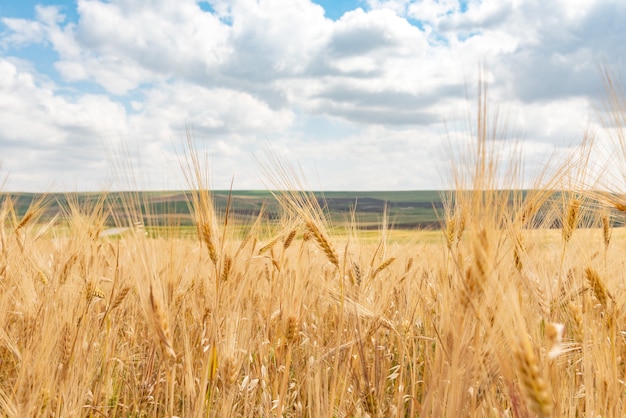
x=167, y=210
x=405, y=210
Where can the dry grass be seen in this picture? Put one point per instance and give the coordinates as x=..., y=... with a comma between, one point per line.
x=494, y=315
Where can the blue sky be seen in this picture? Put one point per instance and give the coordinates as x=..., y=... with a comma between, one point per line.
x=335, y=9
x=24, y=8
x=362, y=94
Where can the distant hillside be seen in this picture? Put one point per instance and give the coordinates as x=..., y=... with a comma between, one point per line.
x=405, y=209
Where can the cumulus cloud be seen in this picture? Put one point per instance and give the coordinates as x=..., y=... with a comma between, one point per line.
x=45, y=133
x=211, y=112
x=36, y=115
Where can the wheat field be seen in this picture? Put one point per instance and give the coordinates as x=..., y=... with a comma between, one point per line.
x=515, y=309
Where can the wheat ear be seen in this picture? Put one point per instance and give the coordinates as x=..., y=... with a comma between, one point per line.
x=162, y=327
x=597, y=285
x=536, y=388
x=323, y=242
x=572, y=219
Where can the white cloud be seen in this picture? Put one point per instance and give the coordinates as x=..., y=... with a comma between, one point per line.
x=36, y=115
x=23, y=32
x=433, y=10
x=275, y=38
x=47, y=137
x=397, y=6
x=42, y=128
x=211, y=112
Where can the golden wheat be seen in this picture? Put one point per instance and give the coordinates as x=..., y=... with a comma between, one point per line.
x=323, y=242
x=571, y=220
x=501, y=315
x=597, y=285
x=536, y=388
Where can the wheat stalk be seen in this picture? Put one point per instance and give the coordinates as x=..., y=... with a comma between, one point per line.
x=289, y=239
x=161, y=325
x=270, y=244
x=382, y=266
x=606, y=230
x=450, y=232
x=119, y=298
x=576, y=320
x=571, y=221
x=597, y=285
x=228, y=371
x=228, y=263
x=536, y=388
x=323, y=242
x=291, y=329
x=355, y=274
x=206, y=235
x=66, y=349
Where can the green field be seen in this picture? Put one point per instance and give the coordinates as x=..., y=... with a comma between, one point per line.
x=405, y=209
